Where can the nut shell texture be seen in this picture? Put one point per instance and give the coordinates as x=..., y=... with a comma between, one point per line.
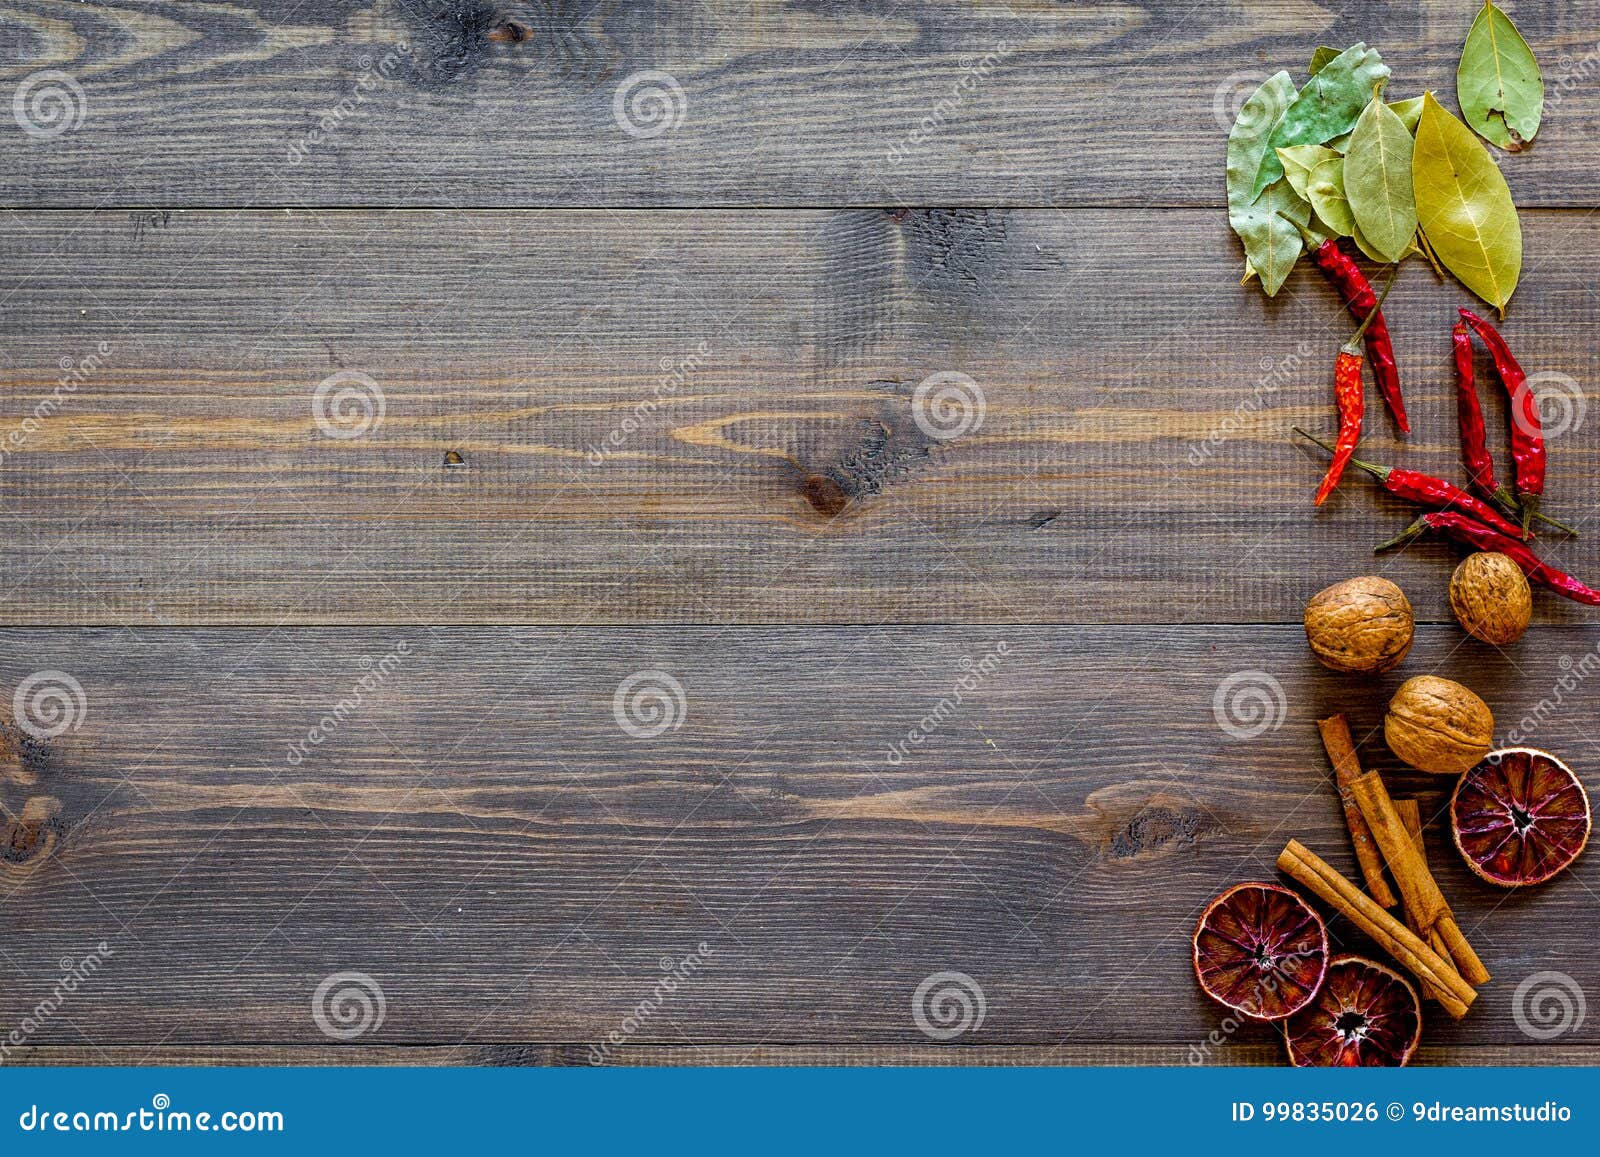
x=1491, y=599
x=1361, y=626
x=1437, y=725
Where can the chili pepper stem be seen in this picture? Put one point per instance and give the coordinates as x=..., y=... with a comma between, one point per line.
x=1557, y=523
x=1405, y=536
x=1308, y=238
x=1353, y=346
x=1508, y=502
x=1378, y=472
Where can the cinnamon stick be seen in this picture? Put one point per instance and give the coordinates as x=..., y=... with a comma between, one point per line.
x=1417, y=887
x=1341, y=748
x=1411, y=817
x=1428, y=966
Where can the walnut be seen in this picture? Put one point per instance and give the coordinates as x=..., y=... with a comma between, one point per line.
x=1362, y=626
x=1490, y=597
x=1437, y=725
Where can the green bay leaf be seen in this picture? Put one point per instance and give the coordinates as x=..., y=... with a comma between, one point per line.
x=1464, y=206
x=1272, y=244
x=1408, y=111
x=1377, y=181
x=1498, y=83
x=1254, y=125
x=1298, y=162
x=1366, y=246
x=1327, y=107
x=1326, y=190
x=1321, y=57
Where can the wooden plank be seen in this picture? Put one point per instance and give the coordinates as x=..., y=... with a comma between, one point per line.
x=711, y=416
x=454, y=102
x=770, y=1055
x=477, y=833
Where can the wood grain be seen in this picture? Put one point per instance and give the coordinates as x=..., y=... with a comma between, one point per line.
x=774, y=1055
x=476, y=832
x=463, y=102
x=746, y=382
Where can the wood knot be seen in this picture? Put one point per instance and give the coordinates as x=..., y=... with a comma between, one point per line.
x=508, y=32
x=28, y=839
x=1154, y=829
x=825, y=494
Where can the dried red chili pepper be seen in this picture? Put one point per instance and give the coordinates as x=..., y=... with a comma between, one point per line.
x=1341, y=269
x=1475, y=534
x=1425, y=489
x=1527, y=433
x=1347, y=396
x=1469, y=415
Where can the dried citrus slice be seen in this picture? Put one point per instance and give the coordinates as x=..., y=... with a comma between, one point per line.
x=1519, y=816
x=1261, y=950
x=1365, y=1016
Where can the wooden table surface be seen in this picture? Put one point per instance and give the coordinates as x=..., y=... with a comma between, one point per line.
x=610, y=402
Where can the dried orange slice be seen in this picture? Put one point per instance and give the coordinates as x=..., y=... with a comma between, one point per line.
x=1260, y=950
x=1366, y=1015
x=1519, y=816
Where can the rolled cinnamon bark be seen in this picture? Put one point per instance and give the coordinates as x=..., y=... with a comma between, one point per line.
x=1417, y=887
x=1341, y=748
x=1320, y=878
x=1411, y=816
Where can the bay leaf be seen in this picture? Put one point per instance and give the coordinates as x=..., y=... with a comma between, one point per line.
x=1321, y=57
x=1298, y=162
x=1272, y=244
x=1377, y=181
x=1464, y=206
x=1365, y=246
x=1327, y=107
x=1254, y=125
x=1498, y=84
x=1326, y=190
x=1408, y=111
